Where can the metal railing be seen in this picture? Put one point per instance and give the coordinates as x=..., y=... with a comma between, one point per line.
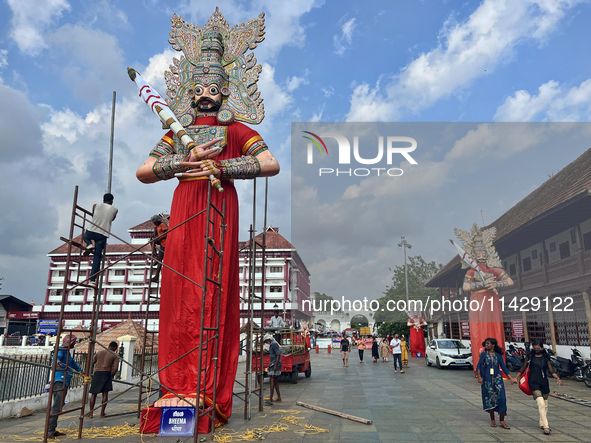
x=13, y=341
x=23, y=378
x=150, y=365
x=27, y=375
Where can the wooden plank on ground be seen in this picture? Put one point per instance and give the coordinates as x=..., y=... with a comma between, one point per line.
x=365, y=421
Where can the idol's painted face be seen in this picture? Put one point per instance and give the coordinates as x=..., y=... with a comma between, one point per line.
x=480, y=256
x=208, y=98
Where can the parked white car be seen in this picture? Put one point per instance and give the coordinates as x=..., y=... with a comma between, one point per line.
x=444, y=352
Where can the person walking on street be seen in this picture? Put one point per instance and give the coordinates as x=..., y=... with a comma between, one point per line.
x=360, y=349
x=396, y=347
x=488, y=372
x=99, y=230
x=539, y=367
x=106, y=365
x=384, y=349
x=274, y=370
x=375, y=353
x=345, y=347
x=64, y=370
x=404, y=353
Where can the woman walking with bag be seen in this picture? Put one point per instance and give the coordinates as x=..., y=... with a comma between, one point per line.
x=490, y=377
x=539, y=365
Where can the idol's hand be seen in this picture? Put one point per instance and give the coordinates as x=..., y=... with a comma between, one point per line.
x=490, y=283
x=204, y=152
x=203, y=168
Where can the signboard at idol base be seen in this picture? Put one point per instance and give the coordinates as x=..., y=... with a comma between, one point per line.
x=177, y=422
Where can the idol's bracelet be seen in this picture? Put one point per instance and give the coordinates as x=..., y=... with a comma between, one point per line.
x=166, y=167
x=243, y=167
x=476, y=285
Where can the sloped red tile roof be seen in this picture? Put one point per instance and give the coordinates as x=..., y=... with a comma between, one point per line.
x=274, y=240
x=111, y=248
x=572, y=181
x=127, y=327
x=144, y=226
x=246, y=326
x=452, y=265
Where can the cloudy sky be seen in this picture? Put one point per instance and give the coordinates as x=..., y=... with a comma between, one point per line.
x=323, y=61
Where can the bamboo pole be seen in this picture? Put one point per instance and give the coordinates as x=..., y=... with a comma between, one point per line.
x=365, y=421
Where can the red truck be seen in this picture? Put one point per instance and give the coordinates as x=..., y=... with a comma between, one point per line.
x=295, y=356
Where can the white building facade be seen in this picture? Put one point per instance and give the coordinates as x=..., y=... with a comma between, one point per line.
x=126, y=284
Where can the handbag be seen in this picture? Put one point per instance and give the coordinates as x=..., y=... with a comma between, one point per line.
x=524, y=382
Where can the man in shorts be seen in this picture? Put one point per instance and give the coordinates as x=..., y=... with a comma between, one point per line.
x=105, y=367
x=345, y=347
x=274, y=370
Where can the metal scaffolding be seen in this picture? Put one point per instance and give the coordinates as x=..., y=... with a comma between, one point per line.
x=213, y=250
x=252, y=344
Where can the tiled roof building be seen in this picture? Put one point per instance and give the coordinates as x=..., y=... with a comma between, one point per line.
x=126, y=282
x=544, y=243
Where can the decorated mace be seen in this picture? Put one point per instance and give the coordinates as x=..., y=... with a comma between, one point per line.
x=159, y=107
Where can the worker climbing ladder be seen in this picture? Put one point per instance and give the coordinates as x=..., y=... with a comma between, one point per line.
x=214, y=219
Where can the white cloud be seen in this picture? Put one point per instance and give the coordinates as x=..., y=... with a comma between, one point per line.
x=93, y=61
x=328, y=91
x=31, y=19
x=293, y=83
x=317, y=116
x=482, y=42
x=104, y=9
x=553, y=102
x=3, y=58
x=276, y=99
x=521, y=106
x=343, y=41
x=282, y=20
x=154, y=72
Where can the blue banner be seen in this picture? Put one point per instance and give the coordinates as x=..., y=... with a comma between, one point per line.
x=48, y=326
x=177, y=422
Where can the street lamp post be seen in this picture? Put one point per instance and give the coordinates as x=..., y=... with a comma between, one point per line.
x=404, y=244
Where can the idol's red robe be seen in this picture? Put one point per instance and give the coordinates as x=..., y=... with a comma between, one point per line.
x=417, y=339
x=488, y=321
x=180, y=300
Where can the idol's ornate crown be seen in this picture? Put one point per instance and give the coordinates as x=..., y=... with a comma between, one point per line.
x=216, y=53
x=476, y=239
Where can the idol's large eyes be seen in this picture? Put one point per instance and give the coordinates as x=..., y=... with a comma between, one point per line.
x=213, y=90
x=198, y=90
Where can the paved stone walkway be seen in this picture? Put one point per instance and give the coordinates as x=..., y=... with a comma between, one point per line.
x=424, y=404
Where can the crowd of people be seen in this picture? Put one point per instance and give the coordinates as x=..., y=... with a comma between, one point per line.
x=489, y=371
x=381, y=347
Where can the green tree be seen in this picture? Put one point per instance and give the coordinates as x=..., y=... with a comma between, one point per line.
x=391, y=328
x=419, y=272
x=319, y=300
x=359, y=321
x=322, y=297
